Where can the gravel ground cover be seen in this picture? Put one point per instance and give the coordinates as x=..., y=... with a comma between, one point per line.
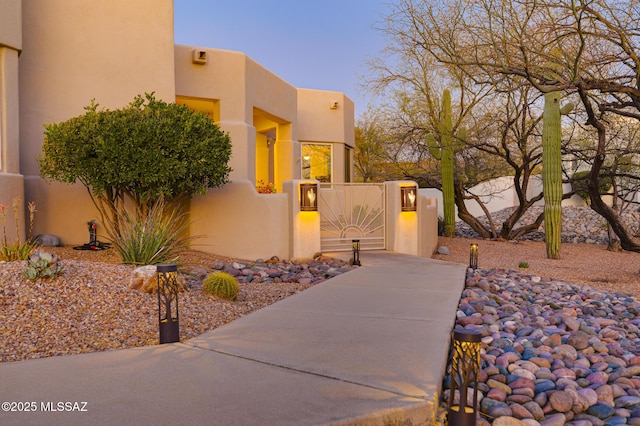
x=91, y=307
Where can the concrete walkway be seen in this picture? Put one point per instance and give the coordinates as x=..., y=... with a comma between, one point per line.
x=368, y=347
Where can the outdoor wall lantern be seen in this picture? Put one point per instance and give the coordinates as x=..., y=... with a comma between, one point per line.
x=473, y=256
x=355, y=244
x=408, y=198
x=168, y=319
x=308, y=197
x=465, y=366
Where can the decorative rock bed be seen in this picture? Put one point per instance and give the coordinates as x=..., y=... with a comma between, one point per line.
x=553, y=353
x=274, y=270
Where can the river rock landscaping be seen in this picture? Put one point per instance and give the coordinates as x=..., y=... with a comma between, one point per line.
x=553, y=353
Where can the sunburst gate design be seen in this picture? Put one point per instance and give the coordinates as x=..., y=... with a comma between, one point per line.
x=352, y=211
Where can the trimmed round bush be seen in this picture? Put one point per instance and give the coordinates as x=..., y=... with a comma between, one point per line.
x=221, y=285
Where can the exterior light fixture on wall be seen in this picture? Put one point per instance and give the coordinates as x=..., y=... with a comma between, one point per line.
x=334, y=105
x=308, y=197
x=199, y=56
x=355, y=244
x=465, y=366
x=168, y=319
x=408, y=195
x=473, y=256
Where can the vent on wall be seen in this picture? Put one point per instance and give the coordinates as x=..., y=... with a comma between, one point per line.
x=199, y=56
x=333, y=105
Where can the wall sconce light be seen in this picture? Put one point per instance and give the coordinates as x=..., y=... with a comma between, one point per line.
x=355, y=244
x=465, y=366
x=408, y=195
x=199, y=56
x=473, y=256
x=168, y=319
x=308, y=197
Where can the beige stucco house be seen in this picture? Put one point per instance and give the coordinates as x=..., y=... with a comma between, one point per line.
x=58, y=55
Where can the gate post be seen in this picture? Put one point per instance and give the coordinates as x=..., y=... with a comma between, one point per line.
x=402, y=226
x=304, y=235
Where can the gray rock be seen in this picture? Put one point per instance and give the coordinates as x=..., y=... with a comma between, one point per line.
x=443, y=250
x=48, y=240
x=601, y=411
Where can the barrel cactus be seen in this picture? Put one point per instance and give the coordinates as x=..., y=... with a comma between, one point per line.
x=552, y=171
x=445, y=150
x=42, y=264
x=221, y=285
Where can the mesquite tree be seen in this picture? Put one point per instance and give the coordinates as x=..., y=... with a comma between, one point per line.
x=589, y=48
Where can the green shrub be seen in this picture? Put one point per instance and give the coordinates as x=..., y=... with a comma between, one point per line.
x=523, y=265
x=136, y=154
x=221, y=285
x=42, y=264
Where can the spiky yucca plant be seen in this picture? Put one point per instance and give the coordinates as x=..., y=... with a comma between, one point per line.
x=159, y=236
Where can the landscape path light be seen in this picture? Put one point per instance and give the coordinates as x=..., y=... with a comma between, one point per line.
x=168, y=318
x=465, y=366
x=473, y=256
x=355, y=245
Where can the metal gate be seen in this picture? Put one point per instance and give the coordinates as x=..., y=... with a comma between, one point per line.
x=351, y=211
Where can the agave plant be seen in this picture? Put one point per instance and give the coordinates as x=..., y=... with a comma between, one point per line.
x=42, y=264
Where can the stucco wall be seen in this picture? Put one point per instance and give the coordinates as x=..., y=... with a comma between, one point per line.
x=499, y=194
x=248, y=94
x=75, y=51
x=318, y=121
x=11, y=181
x=236, y=221
x=11, y=23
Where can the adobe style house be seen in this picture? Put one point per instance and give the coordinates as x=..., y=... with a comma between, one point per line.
x=58, y=55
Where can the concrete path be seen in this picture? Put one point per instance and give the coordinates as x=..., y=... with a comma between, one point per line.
x=368, y=347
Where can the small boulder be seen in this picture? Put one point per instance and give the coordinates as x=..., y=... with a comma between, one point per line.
x=443, y=250
x=48, y=240
x=145, y=278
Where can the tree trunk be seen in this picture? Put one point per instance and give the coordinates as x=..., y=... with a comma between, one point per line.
x=627, y=240
x=467, y=217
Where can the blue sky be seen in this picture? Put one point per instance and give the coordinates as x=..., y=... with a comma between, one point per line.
x=317, y=44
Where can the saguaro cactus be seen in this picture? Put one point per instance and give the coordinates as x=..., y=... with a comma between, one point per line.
x=445, y=152
x=552, y=171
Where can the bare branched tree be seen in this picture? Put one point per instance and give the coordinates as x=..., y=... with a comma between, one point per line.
x=586, y=48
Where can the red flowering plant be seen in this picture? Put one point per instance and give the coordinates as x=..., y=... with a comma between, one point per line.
x=265, y=188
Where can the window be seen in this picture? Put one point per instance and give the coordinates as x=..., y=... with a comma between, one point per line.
x=316, y=161
x=347, y=164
